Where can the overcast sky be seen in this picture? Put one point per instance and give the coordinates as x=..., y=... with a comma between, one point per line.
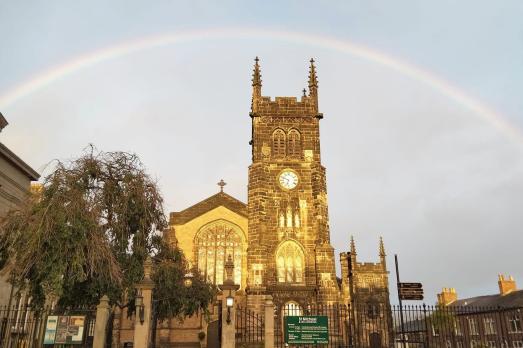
x=405, y=160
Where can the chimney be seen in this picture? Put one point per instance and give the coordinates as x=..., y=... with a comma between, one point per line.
x=447, y=296
x=3, y=122
x=506, y=286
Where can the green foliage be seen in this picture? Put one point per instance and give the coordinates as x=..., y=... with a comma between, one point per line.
x=443, y=319
x=172, y=296
x=88, y=232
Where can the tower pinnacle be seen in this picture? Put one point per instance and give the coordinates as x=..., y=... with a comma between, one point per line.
x=313, y=83
x=382, y=248
x=313, y=79
x=256, y=81
x=352, y=246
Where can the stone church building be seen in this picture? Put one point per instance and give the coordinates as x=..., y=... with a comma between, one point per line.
x=280, y=239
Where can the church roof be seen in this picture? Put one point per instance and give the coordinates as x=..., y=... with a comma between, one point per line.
x=217, y=200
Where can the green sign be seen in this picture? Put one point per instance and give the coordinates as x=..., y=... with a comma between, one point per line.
x=307, y=330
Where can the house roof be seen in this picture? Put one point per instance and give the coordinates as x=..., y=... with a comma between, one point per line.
x=18, y=163
x=512, y=299
x=217, y=200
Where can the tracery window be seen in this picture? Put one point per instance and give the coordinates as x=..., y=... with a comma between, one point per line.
x=278, y=143
x=294, y=144
x=213, y=245
x=290, y=263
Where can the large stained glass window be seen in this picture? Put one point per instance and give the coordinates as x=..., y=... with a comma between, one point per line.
x=290, y=263
x=213, y=245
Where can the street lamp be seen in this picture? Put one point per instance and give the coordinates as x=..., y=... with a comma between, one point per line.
x=228, y=284
x=187, y=279
x=138, y=302
x=229, y=302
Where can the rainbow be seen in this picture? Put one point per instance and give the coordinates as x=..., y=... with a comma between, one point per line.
x=125, y=48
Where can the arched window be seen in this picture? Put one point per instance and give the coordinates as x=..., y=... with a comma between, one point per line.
x=278, y=143
x=294, y=144
x=292, y=308
x=213, y=245
x=290, y=263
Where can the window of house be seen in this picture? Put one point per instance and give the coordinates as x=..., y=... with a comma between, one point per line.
x=490, y=326
x=435, y=331
x=290, y=263
x=457, y=328
x=278, y=143
x=214, y=244
x=517, y=344
x=473, y=326
x=514, y=324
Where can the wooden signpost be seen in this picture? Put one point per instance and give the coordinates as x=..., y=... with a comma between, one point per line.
x=407, y=292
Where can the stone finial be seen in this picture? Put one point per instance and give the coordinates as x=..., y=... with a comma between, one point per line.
x=256, y=76
x=147, y=268
x=352, y=246
x=229, y=268
x=382, y=248
x=313, y=79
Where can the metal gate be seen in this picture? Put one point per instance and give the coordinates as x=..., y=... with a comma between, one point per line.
x=250, y=328
x=214, y=330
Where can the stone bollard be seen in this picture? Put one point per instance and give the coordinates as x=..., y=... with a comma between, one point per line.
x=269, y=322
x=100, y=327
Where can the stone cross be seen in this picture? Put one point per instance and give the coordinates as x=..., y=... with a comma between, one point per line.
x=221, y=184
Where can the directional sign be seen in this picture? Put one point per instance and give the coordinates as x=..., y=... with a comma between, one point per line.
x=412, y=297
x=414, y=291
x=411, y=291
x=410, y=286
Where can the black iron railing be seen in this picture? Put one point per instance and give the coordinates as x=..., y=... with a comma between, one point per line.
x=22, y=326
x=250, y=328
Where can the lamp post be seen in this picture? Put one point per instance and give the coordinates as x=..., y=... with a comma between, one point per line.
x=138, y=301
x=187, y=279
x=228, y=331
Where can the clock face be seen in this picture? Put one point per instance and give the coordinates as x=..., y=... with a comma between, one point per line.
x=288, y=179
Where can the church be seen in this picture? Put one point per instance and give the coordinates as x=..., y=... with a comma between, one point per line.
x=280, y=239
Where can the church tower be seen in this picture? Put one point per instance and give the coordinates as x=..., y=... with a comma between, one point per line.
x=289, y=254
